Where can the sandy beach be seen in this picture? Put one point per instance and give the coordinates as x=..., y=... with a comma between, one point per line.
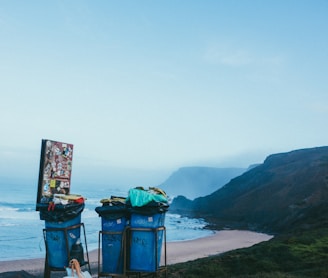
x=177, y=252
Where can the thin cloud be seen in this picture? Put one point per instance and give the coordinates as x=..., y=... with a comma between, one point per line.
x=319, y=107
x=232, y=56
x=227, y=56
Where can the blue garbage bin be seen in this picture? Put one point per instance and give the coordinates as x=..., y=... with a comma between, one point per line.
x=145, y=239
x=113, y=221
x=59, y=235
x=56, y=233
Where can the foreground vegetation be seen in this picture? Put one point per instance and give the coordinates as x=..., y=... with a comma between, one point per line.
x=298, y=255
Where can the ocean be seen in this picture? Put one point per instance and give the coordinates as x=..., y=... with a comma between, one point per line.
x=21, y=234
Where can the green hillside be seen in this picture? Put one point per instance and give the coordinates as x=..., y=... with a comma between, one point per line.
x=302, y=254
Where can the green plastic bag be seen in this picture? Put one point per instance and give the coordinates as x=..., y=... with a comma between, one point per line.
x=139, y=197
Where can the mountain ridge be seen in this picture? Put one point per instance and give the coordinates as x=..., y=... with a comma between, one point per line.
x=285, y=190
x=196, y=181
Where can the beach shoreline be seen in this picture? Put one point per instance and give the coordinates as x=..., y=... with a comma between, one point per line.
x=177, y=252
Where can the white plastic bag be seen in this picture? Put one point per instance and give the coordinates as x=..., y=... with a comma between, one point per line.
x=74, y=271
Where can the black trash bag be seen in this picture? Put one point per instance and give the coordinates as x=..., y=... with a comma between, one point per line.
x=112, y=212
x=150, y=209
x=60, y=213
x=114, y=201
x=77, y=252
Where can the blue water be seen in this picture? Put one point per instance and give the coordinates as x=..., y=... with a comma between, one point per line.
x=21, y=234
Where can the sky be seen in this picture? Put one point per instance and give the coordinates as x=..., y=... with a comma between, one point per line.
x=153, y=85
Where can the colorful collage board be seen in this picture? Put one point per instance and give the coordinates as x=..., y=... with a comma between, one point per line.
x=55, y=169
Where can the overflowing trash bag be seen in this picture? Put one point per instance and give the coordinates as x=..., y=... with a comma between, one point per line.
x=147, y=202
x=113, y=208
x=61, y=208
x=139, y=197
x=139, y=200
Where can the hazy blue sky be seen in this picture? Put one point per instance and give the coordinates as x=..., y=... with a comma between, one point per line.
x=162, y=84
